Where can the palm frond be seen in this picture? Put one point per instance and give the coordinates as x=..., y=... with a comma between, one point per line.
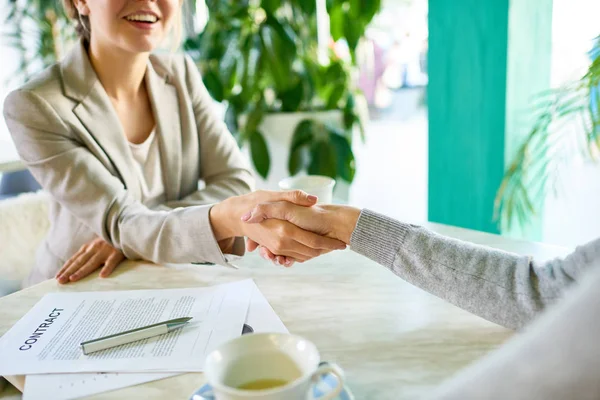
x=535, y=170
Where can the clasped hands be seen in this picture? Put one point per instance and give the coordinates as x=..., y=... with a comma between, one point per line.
x=286, y=227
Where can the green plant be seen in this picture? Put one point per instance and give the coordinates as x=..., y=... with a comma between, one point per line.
x=261, y=57
x=535, y=170
x=40, y=31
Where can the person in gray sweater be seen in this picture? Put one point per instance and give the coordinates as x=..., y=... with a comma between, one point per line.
x=556, y=304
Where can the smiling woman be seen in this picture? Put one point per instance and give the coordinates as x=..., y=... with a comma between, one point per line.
x=121, y=137
x=153, y=17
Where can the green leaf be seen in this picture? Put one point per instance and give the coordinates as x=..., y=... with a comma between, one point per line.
x=370, y=8
x=213, y=85
x=308, y=6
x=254, y=119
x=291, y=98
x=190, y=44
x=354, y=11
x=349, y=115
x=271, y=6
x=303, y=134
x=251, y=76
x=322, y=159
x=272, y=50
x=299, y=154
x=337, y=18
x=353, y=31
x=335, y=97
x=284, y=39
x=345, y=162
x=299, y=159
x=231, y=120
x=335, y=72
x=260, y=153
x=227, y=61
x=330, y=4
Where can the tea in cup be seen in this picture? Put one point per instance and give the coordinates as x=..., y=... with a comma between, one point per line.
x=269, y=366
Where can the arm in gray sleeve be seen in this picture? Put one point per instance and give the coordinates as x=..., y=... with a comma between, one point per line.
x=557, y=357
x=504, y=288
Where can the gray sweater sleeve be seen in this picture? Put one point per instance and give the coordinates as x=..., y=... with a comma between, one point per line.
x=557, y=357
x=504, y=288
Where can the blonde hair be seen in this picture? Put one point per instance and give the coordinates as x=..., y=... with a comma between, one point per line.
x=84, y=29
x=82, y=26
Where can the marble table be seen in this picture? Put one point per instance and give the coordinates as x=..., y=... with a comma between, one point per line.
x=393, y=340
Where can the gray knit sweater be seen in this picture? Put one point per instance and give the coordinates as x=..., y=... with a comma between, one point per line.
x=556, y=357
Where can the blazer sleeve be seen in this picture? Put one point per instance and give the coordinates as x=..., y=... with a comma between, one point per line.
x=81, y=183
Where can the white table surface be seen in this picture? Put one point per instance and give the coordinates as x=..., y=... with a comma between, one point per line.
x=393, y=340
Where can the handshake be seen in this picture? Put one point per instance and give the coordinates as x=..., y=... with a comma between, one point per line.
x=286, y=227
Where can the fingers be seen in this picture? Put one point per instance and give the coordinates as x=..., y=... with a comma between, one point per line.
x=251, y=245
x=298, y=197
x=265, y=211
x=285, y=261
x=317, y=242
x=70, y=261
x=83, y=258
x=95, y=262
x=89, y=258
x=290, y=247
x=111, y=263
x=281, y=260
x=266, y=254
x=283, y=238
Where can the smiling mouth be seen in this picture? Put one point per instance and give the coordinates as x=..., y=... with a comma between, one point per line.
x=142, y=18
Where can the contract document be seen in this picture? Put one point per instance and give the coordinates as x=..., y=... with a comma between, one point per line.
x=261, y=317
x=46, y=340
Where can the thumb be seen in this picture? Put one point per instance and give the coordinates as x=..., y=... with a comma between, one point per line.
x=266, y=211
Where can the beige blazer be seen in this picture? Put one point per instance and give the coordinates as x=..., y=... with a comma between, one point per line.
x=67, y=132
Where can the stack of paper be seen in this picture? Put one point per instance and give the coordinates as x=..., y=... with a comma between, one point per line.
x=44, y=345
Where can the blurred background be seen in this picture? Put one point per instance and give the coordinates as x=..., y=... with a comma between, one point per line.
x=479, y=115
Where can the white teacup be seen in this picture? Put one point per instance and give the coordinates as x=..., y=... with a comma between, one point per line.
x=317, y=185
x=276, y=366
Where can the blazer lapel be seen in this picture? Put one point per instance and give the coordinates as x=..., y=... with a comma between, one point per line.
x=96, y=112
x=165, y=106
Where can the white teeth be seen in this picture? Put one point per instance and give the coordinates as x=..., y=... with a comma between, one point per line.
x=142, y=17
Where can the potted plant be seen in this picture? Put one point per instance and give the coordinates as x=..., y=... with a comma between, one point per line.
x=535, y=170
x=41, y=33
x=292, y=111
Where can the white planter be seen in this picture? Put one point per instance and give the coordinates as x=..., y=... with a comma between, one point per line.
x=278, y=130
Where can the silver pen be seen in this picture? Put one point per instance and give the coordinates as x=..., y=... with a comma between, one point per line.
x=133, y=335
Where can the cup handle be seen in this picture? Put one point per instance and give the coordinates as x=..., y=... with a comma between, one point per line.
x=325, y=369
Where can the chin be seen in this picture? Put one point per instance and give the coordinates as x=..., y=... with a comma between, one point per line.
x=142, y=45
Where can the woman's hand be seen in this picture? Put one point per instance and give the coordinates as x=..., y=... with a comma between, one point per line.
x=333, y=221
x=89, y=258
x=280, y=237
